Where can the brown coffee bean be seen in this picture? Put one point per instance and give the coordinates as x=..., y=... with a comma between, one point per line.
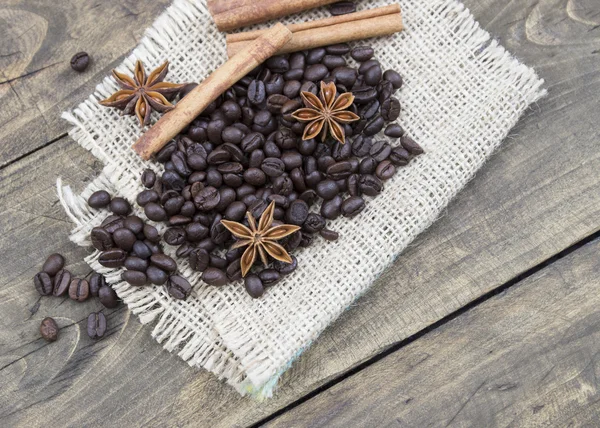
x=269, y=277
x=332, y=209
x=380, y=150
x=215, y=277
x=411, y=146
x=329, y=235
x=53, y=264
x=353, y=206
x=120, y=206
x=254, y=286
x=134, y=277
x=234, y=270
x=79, y=290
x=151, y=233
x=148, y=178
x=108, y=297
x=390, y=109
x=80, y=61
x=207, y=199
x=124, y=239
x=179, y=288
x=155, y=212
x=315, y=72
x=99, y=199
x=112, y=258
x=370, y=185
x=399, y=156
x=134, y=223
x=96, y=325
x=338, y=49
x=43, y=283
x=49, y=329
x=342, y=8
x=163, y=262
x=62, y=281
x=394, y=130
x=394, y=77
x=96, y=281
x=385, y=170
x=362, y=53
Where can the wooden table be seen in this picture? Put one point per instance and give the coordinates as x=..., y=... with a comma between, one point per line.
x=491, y=318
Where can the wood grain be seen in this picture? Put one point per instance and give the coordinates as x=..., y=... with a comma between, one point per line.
x=37, y=40
x=537, y=196
x=527, y=357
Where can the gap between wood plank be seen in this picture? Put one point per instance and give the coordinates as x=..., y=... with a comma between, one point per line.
x=432, y=327
x=37, y=149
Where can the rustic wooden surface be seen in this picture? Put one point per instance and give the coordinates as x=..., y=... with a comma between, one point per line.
x=535, y=198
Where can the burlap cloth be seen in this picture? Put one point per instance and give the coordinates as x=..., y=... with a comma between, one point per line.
x=462, y=94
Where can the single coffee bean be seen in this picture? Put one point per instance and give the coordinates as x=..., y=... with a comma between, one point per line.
x=339, y=170
x=411, y=146
x=120, y=206
x=327, y=189
x=255, y=177
x=231, y=110
x=297, y=212
x=285, y=139
x=297, y=61
x=62, y=281
x=156, y=275
x=254, y=286
x=99, y=199
x=134, y=224
x=136, y=263
x=215, y=277
x=385, y=90
x=353, y=206
x=53, y=264
x=79, y=290
x=171, y=180
x=332, y=209
x=399, y=156
x=80, y=61
x=278, y=64
x=173, y=205
x=297, y=178
x=146, y=196
x=124, y=239
x=218, y=262
x=180, y=164
x=292, y=89
x=275, y=102
x=256, y=158
x=43, y=284
x=49, y=329
x=315, y=72
x=269, y=277
x=380, y=150
x=155, y=212
x=394, y=77
x=195, y=232
x=313, y=179
x=385, y=170
x=148, y=178
x=342, y=8
x=134, y=277
x=273, y=166
x=329, y=235
x=174, y=236
x=344, y=76
x=315, y=56
x=374, y=126
x=314, y=223
x=390, y=109
x=108, y=297
x=352, y=184
x=234, y=270
x=165, y=153
x=271, y=150
x=199, y=260
x=113, y=258
x=179, y=220
x=154, y=247
x=235, y=211
x=252, y=142
x=214, y=130
x=291, y=159
x=334, y=61
x=394, y=130
x=286, y=268
x=361, y=146
x=179, y=287
x=339, y=49
x=184, y=250
x=370, y=185
x=96, y=325
x=362, y=53
x=151, y=234
x=307, y=147
x=275, y=84
x=293, y=241
x=364, y=94
x=97, y=281
x=207, y=199
x=163, y=262
x=293, y=75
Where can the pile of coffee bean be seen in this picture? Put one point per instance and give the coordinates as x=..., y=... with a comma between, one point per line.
x=245, y=151
x=55, y=280
x=127, y=241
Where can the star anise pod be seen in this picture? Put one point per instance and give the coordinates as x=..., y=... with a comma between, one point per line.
x=142, y=94
x=260, y=239
x=326, y=114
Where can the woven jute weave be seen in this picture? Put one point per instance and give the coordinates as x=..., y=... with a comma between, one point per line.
x=462, y=95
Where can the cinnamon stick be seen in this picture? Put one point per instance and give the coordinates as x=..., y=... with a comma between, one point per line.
x=338, y=33
x=319, y=23
x=186, y=110
x=232, y=14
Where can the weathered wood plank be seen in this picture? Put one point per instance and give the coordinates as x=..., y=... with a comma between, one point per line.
x=537, y=196
x=527, y=357
x=38, y=39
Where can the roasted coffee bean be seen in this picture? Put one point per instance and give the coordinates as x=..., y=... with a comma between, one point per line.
x=173, y=205
x=61, y=283
x=215, y=277
x=179, y=288
x=155, y=212
x=362, y=53
x=325, y=162
x=235, y=211
x=273, y=166
x=112, y=223
x=275, y=84
x=285, y=139
x=332, y=209
x=163, y=262
x=368, y=111
x=204, y=219
x=370, y=185
x=226, y=194
x=96, y=325
x=286, y=268
x=113, y=258
x=179, y=160
x=184, y=250
x=291, y=89
x=278, y=64
x=291, y=160
x=213, y=178
x=394, y=131
x=361, y=146
x=344, y=76
x=151, y=234
x=214, y=130
x=297, y=178
x=154, y=247
x=124, y=239
x=99, y=199
x=136, y=263
x=276, y=101
x=313, y=224
x=334, y=61
x=80, y=61
x=218, y=262
x=374, y=126
x=179, y=220
x=232, y=135
x=293, y=241
x=252, y=141
x=165, y=153
x=135, y=277
x=313, y=179
x=353, y=206
x=156, y=275
x=385, y=90
x=310, y=164
x=271, y=150
x=199, y=259
x=329, y=235
x=373, y=75
x=43, y=284
x=315, y=56
x=101, y=239
x=368, y=64
x=269, y=277
x=390, y=109
x=297, y=212
x=380, y=150
x=297, y=61
x=171, y=180
x=230, y=168
x=53, y=264
x=120, y=206
x=399, y=156
x=283, y=185
x=307, y=147
x=195, y=232
x=256, y=159
x=293, y=75
x=79, y=290
x=255, y=177
x=232, y=110
x=411, y=146
x=147, y=196
x=394, y=77
x=234, y=270
x=339, y=170
x=197, y=162
x=352, y=184
x=97, y=281
x=49, y=329
x=280, y=201
x=385, y=170
x=254, y=286
x=327, y=189
x=134, y=223
x=339, y=49
x=363, y=95
x=315, y=72
x=108, y=297
x=207, y=199
x=342, y=8
x=197, y=133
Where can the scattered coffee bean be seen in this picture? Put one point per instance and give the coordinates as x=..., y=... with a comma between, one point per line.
x=99, y=199
x=79, y=290
x=329, y=235
x=97, y=281
x=43, y=284
x=352, y=206
x=215, y=277
x=269, y=277
x=53, y=264
x=394, y=131
x=80, y=61
x=119, y=206
x=62, y=281
x=112, y=258
x=179, y=288
x=411, y=146
x=108, y=297
x=96, y=325
x=156, y=275
x=254, y=286
x=134, y=277
x=49, y=329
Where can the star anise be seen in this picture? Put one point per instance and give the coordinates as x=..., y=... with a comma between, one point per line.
x=141, y=94
x=260, y=239
x=326, y=113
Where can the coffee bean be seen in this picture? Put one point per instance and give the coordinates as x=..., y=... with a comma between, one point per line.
x=108, y=297
x=307, y=147
x=342, y=8
x=235, y=211
x=141, y=250
x=278, y=64
x=273, y=166
x=370, y=185
x=271, y=150
x=234, y=270
x=146, y=196
x=79, y=290
x=119, y=206
x=313, y=179
x=380, y=150
x=179, y=288
x=276, y=102
x=275, y=84
x=49, y=329
x=394, y=131
x=207, y=199
x=254, y=286
x=156, y=276
x=96, y=325
x=213, y=178
x=291, y=89
x=99, y=199
x=154, y=247
x=390, y=109
x=297, y=212
x=151, y=234
x=362, y=53
x=199, y=259
x=134, y=277
x=411, y=146
x=215, y=277
x=96, y=282
x=363, y=95
x=344, y=76
x=327, y=189
x=124, y=239
x=315, y=56
x=53, y=264
x=329, y=235
x=353, y=206
x=374, y=126
x=134, y=224
x=366, y=65
x=339, y=170
x=394, y=77
x=214, y=130
x=155, y=212
x=173, y=205
x=43, y=283
x=62, y=281
x=297, y=61
x=325, y=162
x=80, y=61
x=315, y=72
x=334, y=61
x=332, y=209
x=339, y=49
x=385, y=90
x=113, y=258
x=232, y=110
x=136, y=263
x=285, y=268
x=361, y=146
x=163, y=262
x=385, y=170
x=256, y=159
x=252, y=141
x=399, y=156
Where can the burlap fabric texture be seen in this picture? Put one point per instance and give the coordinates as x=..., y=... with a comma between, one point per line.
x=462, y=95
